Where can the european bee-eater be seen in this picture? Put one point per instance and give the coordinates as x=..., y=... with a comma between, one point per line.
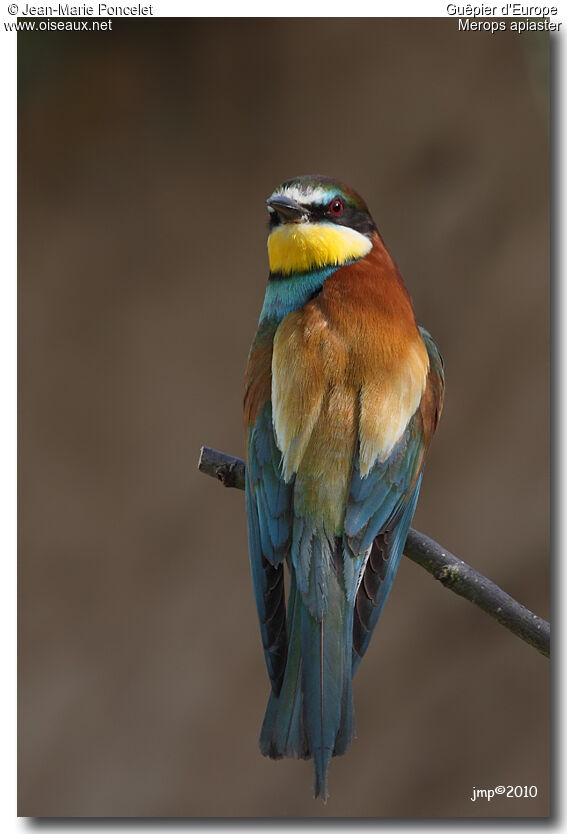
x=343, y=394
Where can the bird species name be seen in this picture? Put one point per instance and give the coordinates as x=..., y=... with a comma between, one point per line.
x=519, y=26
x=508, y=9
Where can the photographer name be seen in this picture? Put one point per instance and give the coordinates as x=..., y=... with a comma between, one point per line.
x=101, y=10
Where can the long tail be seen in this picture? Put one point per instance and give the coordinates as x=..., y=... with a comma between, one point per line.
x=313, y=716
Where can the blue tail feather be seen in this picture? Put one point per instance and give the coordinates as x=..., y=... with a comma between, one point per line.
x=313, y=716
x=282, y=731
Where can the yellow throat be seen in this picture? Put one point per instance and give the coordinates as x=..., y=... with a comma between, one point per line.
x=301, y=247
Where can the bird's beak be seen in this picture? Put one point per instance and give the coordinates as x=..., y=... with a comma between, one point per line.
x=287, y=209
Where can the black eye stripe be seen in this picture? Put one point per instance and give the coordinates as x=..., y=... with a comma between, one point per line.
x=354, y=218
x=350, y=216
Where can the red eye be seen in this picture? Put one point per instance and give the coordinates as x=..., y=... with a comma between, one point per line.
x=336, y=207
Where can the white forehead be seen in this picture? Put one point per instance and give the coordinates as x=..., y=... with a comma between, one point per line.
x=304, y=193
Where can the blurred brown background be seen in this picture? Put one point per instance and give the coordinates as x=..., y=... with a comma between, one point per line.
x=145, y=157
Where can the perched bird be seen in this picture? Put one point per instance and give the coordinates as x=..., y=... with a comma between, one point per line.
x=343, y=394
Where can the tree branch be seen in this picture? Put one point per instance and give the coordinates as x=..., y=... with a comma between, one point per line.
x=453, y=573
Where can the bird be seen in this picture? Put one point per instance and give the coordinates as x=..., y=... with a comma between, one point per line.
x=343, y=393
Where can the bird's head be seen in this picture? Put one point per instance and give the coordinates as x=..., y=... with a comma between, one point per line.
x=315, y=223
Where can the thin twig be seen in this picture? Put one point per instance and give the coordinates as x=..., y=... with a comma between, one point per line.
x=453, y=573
